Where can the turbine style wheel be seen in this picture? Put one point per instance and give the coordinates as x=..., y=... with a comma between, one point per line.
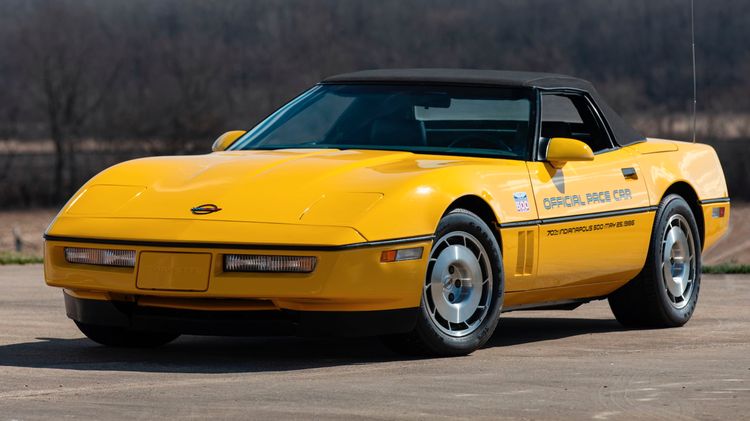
x=463, y=290
x=665, y=293
x=678, y=261
x=125, y=338
x=458, y=289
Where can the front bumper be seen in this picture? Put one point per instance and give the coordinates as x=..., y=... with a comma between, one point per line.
x=346, y=279
x=240, y=323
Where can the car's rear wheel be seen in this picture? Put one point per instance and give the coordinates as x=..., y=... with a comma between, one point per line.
x=125, y=338
x=665, y=293
x=462, y=293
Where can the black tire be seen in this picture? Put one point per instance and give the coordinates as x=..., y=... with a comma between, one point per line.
x=646, y=301
x=125, y=338
x=428, y=338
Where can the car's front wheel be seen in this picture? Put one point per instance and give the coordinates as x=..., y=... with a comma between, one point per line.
x=665, y=293
x=125, y=338
x=462, y=294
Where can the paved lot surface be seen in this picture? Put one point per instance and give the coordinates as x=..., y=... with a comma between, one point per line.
x=539, y=365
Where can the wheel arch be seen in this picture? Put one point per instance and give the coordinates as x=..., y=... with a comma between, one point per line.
x=687, y=192
x=482, y=209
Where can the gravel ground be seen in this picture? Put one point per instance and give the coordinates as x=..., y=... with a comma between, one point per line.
x=538, y=365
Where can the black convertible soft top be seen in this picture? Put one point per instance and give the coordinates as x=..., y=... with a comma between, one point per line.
x=623, y=132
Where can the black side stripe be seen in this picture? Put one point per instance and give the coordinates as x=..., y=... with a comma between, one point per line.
x=174, y=244
x=585, y=216
x=718, y=200
x=395, y=241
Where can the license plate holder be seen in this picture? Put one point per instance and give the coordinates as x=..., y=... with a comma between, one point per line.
x=173, y=271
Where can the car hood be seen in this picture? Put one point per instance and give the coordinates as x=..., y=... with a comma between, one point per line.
x=319, y=187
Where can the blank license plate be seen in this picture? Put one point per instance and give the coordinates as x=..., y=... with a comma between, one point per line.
x=174, y=271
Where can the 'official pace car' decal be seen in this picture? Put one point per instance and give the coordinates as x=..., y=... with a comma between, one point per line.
x=522, y=201
x=591, y=198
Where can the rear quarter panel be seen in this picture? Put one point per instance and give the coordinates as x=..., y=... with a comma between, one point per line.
x=665, y=163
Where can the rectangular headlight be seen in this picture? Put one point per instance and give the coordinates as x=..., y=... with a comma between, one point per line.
x=261, y=263
x=103, y=257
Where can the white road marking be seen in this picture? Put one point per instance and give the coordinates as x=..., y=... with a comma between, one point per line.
x=605, y=415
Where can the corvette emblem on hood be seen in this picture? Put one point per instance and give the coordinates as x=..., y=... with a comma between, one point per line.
x=205, y=209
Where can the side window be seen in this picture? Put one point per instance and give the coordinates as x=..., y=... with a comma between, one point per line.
x=571, y=116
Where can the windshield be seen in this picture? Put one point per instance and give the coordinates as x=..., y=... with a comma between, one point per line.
x=423, y=119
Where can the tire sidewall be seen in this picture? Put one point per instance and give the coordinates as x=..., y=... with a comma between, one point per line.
x=461, y=220
x=673, y=205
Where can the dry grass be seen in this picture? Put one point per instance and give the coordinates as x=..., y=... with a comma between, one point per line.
x=708, y=126
x=30, y=224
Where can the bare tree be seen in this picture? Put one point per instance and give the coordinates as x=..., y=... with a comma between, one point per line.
x=68, y=70
x=182, y=71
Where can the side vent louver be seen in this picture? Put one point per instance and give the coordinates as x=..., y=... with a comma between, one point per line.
x=525, y=260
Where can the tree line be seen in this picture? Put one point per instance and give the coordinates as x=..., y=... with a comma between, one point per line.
x=176, y=73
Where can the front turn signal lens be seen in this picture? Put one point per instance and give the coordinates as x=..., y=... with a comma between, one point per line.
x=101, y=257
x=261, y=263
x=402, y=254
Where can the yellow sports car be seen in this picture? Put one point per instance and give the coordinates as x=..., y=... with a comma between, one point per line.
x=414, y=204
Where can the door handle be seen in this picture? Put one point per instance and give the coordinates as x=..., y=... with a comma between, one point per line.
x=629, y=173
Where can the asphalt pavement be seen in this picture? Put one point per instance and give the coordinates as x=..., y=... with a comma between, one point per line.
x=539, y=365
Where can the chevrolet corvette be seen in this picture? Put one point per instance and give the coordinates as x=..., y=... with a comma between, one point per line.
x=415, y=204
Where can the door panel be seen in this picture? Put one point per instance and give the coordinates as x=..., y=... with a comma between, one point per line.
x=511, y=195
x=595, y=220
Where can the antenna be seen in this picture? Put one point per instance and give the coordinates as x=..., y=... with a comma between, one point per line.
x=695, y=83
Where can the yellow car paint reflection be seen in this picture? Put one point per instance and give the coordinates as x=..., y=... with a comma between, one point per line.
x=282, y=210
x=572, y=222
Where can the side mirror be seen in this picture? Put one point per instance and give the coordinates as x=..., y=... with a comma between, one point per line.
x=224, y=141
x=562, y=149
